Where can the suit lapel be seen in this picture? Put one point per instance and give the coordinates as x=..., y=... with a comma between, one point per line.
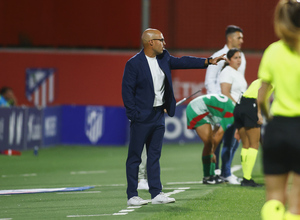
x=146, y=69
x=165, y=69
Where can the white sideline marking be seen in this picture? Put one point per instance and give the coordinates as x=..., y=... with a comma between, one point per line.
x=174, y=192
x=192, y=182
x=236, y=168
x=78, y=216
x=179, y=188
x=88, y=172
x=5, y=218
x=134, y=207
x=111, y=185
x=129, y=208
x=29, y=174
x=126, y=210
x=26, y=174
x=78, y=192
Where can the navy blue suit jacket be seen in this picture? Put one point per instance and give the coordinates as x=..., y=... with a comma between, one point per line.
x=137, y=84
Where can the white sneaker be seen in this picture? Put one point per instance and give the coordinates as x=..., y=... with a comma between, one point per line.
x=161, y=198
x=238, y=179
x=232, y=180
x=136, y=201
x=143, y=184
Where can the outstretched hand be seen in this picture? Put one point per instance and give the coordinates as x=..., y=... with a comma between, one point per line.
x=215, y=60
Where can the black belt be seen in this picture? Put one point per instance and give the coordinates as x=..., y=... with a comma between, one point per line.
x=245, y=100
x=158, y=108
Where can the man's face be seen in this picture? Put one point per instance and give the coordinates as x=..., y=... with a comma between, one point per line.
x=235, y=40
x=158, y=44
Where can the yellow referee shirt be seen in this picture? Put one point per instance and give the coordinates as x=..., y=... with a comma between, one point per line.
x=252, y=91
x=280, y=66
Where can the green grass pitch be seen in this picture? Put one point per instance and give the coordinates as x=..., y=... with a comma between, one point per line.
x=104, y=168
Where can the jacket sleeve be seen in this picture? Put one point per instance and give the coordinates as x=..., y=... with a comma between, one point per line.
x=187, y=62
x=128, y=91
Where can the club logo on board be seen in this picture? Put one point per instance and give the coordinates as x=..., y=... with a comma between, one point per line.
x=94, y=123
x=40, y=85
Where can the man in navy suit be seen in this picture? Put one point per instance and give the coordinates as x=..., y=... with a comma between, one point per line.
x=147, y=91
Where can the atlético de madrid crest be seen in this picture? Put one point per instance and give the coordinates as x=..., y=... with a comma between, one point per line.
x=94, y=116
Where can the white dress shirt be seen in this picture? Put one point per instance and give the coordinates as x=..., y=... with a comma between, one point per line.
x=212, y=83
x=158, y=78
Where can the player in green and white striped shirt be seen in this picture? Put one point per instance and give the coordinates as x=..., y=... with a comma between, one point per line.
x=210, y=115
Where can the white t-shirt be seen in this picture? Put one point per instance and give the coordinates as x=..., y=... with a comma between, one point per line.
x=158, y=78
x=212, y=83
x=236, y=79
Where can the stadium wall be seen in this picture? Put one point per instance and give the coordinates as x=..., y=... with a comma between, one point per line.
x=189, y=24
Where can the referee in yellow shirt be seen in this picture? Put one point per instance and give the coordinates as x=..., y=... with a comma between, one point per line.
x=280, y=66
x=248, y=120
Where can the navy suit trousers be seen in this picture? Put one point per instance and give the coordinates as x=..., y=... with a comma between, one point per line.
x=150, y=131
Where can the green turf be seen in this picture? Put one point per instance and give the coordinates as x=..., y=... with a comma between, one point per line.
x=53, y=168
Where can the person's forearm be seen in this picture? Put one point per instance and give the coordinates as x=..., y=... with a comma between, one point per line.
x=225, y=90
x=262, y=101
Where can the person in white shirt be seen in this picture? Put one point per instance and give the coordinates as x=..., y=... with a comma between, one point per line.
x=234, y=39
x=233, y=85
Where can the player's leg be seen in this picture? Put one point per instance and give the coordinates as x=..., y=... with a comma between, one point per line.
x=274, y=208
x=253, y=135
x=294, y=199
x=206, y=135
x=276, y=166
x=244, y=151
x=217, y=153
x=218, y=134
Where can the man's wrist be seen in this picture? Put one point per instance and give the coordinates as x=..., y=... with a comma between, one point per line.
x=208, y=60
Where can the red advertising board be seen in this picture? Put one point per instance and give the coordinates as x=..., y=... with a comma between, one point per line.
x=94, y=78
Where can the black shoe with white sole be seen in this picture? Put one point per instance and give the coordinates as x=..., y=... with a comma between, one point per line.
x=212, y=180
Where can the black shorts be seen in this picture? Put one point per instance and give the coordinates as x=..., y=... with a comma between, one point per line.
x=281, y=146
x=245, y=113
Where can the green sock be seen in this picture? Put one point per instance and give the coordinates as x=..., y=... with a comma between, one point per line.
x=212, y=168
x=244, y=153
x=272, y=210
x=250, y=162
x=290, y=216
x=206, y=160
